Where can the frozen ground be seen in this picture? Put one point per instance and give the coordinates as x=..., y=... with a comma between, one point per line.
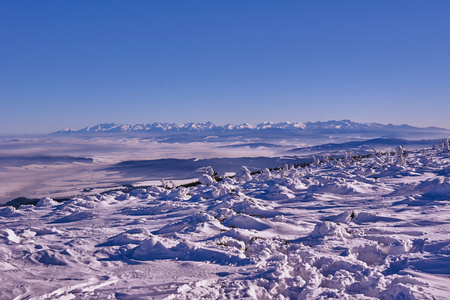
x=353, y=228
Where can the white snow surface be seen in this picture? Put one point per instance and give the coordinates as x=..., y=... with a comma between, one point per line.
x=357, y=228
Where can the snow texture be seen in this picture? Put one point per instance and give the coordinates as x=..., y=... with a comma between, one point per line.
x=373, y=227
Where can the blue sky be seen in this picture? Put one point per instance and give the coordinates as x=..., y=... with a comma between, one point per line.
x=79, y=63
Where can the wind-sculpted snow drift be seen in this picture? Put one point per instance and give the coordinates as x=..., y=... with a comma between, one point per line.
x=354, y=228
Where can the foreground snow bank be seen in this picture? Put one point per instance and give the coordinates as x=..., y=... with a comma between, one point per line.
x=358, y=228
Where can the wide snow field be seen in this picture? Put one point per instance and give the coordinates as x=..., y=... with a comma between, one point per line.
x=354, y=228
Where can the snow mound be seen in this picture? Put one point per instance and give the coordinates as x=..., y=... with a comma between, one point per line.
x=7, y=211
x=243, y=174
x=206, y=179
x=46, y=202
x=329, y=229
x=75, y=216
x=153, y=249
x=132, y=236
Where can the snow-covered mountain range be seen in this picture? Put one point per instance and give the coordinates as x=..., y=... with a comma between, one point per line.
x=328, y=126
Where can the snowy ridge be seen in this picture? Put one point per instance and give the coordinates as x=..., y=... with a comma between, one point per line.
x=331, y=126
x=114, y=127
x=354, y=228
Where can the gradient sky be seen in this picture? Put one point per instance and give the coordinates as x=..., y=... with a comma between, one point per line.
x=80, y=63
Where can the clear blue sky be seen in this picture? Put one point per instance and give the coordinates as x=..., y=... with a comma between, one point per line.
x=79, y=63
